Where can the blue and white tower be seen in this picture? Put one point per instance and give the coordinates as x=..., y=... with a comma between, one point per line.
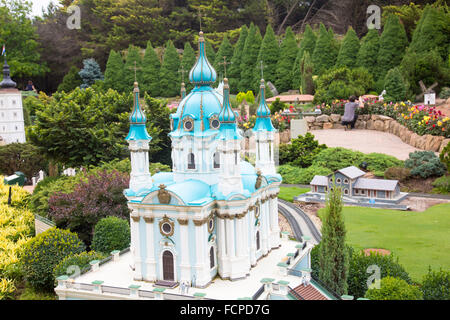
x=138, y=143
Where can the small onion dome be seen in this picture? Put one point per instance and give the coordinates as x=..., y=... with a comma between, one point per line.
x=226, y=115
x=138, y=131
x=263, y=121
x=202, y=73
x=7, y=82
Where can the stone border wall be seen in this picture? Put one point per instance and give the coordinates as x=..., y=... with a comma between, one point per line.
x=380, y=123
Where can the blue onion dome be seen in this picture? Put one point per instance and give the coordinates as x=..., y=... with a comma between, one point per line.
x=227, y=114
x=202, y=73
x=263, y=121
x=138, y=131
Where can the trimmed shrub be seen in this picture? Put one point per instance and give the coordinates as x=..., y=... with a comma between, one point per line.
x=296, y=175
x=436, y=285
x=359, y=262
x=277, y=106
x=397, y=173
x=338, y=158
x=42, y=253
x=301, y=151
x=381, y=162
x=68, y=266
x=442, y=184
x=424, y=164
x=394, y=289
x=110, y=234
x=395, y=86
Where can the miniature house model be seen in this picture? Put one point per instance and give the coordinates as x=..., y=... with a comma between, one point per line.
x=12, y=128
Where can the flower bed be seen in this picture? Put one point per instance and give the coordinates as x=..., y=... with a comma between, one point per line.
x=419, y=119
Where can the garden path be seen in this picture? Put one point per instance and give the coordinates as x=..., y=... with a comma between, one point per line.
x=366, y=141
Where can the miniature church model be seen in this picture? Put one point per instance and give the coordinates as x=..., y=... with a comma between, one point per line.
x=12, y=128
x=214, y=214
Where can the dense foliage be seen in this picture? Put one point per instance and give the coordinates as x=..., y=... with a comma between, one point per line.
x=338, y=158
x=71, y=80
x=288, y=53
x=23, y=157
x=348, y=52
x=42, y=253
x=110, y=234
x=368, y=51
x=395, y=86
x=90, y=73
x=394, y=289
x=296, y=175
x=301, y=151
x=169, y=78
x=425, y=164
x=436, y=285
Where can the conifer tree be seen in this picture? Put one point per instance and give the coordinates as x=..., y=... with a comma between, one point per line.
x=90, y=73
x=324, y=55
x=395, y=86
x=368, y=52
x=307, y=44
x=432, y=32
x=169, y=75
x=269, y=54
x=133, y=55
x=249, y=57
x=306, y=68
x=188, y=61
x=348, y=52
x=150, y=72
x=288, y=53
x=333, y=254
x=210, y=53
x=114, y=72
x=234, y=71
x=393, y=42
x=225, y=50
x=71, y=80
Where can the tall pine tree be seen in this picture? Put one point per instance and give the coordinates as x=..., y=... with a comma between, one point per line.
x=395, y=86
x=393, y=42
x=333, y=254
x=150, y=72
x=234, y=73
x=307, y=44
x=114, y=72
x=225, y=50
x=210, y=53
x=188, y=62
x=324, y=55
x=169, y=75
x=288, y=53
x=306, y=68
x=133, y=54
x=269, y=54
x=368, y=52
x=71, y=80
x=249, y=57
x=348, y=52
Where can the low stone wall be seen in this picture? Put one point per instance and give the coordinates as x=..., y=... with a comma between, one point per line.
x=380, y=123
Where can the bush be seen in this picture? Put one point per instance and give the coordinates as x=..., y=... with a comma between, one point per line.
x=397, y=173
x=445, y=93
x=436, y=285
x=359, y=262
x=19, y=197
x=394, y=289
x=96, y=196
x=31, y=294
x=442, y=184
x=78, y=259
x=338, y=158
x=424, y=164
x=42, y=253
x=381, y=162
x=296, y=175
x=7, y=289
x=110, y=234
x=444, y=156
x=23, y=157
x=395, y=86
x=277, y=105
x=301, y=151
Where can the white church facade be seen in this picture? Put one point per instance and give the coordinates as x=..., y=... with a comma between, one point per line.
x=12, y=126
x=214, y=214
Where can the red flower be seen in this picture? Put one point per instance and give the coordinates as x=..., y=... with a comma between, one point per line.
x=434, y=126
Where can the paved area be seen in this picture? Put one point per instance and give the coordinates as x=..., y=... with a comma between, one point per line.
x=366, y=141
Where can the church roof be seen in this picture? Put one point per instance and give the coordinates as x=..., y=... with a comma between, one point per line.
x=227, y=117
x=202, y=73
x=263, y=121
x=138, y=131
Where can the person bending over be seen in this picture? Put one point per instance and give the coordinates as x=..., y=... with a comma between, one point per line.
x=349, y=118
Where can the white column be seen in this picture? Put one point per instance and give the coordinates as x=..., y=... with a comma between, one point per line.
x=239, y=234
x=136, y=245
x=230, y=238
x=251, y=233
x=202, y=266
x=185, y=266
x=265, y=228
x=150, y=262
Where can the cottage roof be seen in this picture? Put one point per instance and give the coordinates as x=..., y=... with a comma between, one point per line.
x=352, y=172
x=319, y=181
x=375, y=184
x=293, y=98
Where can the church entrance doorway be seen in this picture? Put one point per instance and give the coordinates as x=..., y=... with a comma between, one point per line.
x=168, y=267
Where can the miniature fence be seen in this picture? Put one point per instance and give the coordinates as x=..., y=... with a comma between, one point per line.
x=42, y=224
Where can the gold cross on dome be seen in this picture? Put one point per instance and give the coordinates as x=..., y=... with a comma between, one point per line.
x=224, y=63
x=182, y=71
x=135, y=68
x=262, y=69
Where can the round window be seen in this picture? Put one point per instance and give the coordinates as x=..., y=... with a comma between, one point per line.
x=188, y=125
x=215, y=124
x=166, y=228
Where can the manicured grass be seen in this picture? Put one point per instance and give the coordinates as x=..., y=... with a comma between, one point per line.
x=418, y=239
x=288, y=193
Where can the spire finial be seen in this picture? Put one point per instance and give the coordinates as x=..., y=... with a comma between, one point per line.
x=182, y=71
x=135, y=68
x=224, y=63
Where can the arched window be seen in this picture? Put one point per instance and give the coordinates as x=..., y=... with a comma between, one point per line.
x=191, y=161
x=211, y=258
x=258, y=244
x=216, y=160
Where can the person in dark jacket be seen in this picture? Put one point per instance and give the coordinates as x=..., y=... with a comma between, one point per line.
x=349, y=118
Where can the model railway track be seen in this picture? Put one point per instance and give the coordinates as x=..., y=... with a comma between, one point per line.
x=311, y=226
x=292, y=222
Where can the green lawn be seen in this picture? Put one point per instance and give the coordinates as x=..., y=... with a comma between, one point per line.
x=418, y=239
x=288, y=193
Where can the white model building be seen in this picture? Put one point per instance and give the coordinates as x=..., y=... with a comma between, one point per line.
x=12, y=126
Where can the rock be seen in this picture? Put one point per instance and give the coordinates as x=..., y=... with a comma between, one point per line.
x=406, y=136
x=370, y=125
x=413, y=138
x=444, y=143
x=316, y=128
x=384, y=118
x=378, y=125
x=360, y=124
x=433, y=143
x=323, y=118
x=335, y=118
x=387, y=125
x=310, y=119
x=339, y=126
x=365, y=117
x=328, y=125
x=285, y=136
